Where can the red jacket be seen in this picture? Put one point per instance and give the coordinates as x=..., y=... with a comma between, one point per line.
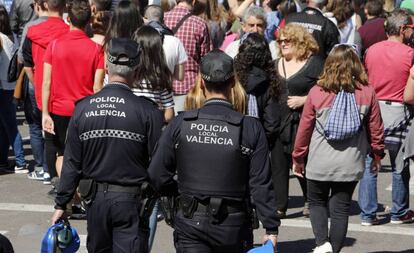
x=337, y=161
x=40, y=36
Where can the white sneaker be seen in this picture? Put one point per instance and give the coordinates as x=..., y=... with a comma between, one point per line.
x=46, y=178
x=324, y=248
x=21, y=169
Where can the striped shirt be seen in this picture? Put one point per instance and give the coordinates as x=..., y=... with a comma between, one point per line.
x=164, y=99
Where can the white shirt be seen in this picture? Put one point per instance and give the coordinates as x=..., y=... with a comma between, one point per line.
x=233, y=49
x=6, y=55
x=174, y=52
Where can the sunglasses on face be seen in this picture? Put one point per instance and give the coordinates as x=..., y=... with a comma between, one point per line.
x=280, y=41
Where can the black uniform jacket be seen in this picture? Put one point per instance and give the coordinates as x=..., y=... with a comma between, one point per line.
x=323, y=30
x=163, y=164
x=110, y=138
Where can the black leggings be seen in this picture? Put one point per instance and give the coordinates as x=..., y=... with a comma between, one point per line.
x=333, y=198
x=281, y=165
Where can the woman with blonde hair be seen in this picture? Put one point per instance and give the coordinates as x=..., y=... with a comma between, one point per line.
x=340, y=124
x=195, y=98
x=298, y=69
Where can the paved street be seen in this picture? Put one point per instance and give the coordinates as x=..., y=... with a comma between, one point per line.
x=25, y=211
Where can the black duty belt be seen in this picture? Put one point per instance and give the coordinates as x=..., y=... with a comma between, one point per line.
x=208, y=205
x=105, y=187
x=230, y=208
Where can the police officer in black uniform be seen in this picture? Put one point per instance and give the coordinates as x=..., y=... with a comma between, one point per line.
x=110, y=138
x=221, y=158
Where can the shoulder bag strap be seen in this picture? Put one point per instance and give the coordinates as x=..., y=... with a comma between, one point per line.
x=180, y=23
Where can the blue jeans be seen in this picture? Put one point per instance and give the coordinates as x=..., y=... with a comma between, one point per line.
x=9, y=134
x=400, y=187
x=35, y=129
x=400, y=190
x=367, y=199
x=153, y=225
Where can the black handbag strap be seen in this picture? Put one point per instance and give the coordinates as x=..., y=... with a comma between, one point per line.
x=181, y=22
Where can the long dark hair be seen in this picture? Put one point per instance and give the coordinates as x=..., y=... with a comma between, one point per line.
x=5, y=22
x=342, y=11
x=152, y=67
x=125, y=20
x=254, y=52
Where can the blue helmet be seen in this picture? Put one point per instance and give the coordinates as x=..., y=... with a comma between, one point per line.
x=266, y=248
x=60, y=235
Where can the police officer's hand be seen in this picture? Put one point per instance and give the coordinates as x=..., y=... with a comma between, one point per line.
x=273, y=239
x=298, y=169
x=57, y=215
x=47, y=123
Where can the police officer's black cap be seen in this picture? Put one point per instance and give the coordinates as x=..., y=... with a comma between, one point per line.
x=216, y=67
x=123, y=51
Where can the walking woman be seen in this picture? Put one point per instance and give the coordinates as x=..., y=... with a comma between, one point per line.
x=255, y=70
x=340, y=125
x=154, y=78
x=298, y=69
x=9, y=134
x=125, y=20
x=153, y=81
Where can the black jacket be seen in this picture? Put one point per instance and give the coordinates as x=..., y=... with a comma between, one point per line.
x=258, y=84
x=323, y=30
x=110, y=138
x=163, y=167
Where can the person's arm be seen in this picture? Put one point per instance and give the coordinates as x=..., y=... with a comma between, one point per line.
x=409, y=90
x=28, y=59
x=206, y=44
x=179, y=72
x=169, y=114
x=271, y=119
x=375, y=132
x=22, y=40
x=100, y=70
x=167, y=103
x=47, y=122
x=163, y=162
x=155, y=121
x=182, y=59
x=71, y=171
x=233, y=4
x=30, y=73
x=304, y=134
x=98, y=80
x=14, y=18
x=296, y=102
x=260, y=180
x=358, y=21
x=239, y=11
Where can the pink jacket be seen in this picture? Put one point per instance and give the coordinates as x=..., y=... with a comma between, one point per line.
x=343, y=160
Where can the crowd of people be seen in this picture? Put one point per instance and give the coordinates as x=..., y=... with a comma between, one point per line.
x=331, y=83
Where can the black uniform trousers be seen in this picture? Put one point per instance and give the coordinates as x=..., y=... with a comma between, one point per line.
x=113, y=224
x=200, y=235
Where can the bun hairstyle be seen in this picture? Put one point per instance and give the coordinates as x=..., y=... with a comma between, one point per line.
x=100, y=21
